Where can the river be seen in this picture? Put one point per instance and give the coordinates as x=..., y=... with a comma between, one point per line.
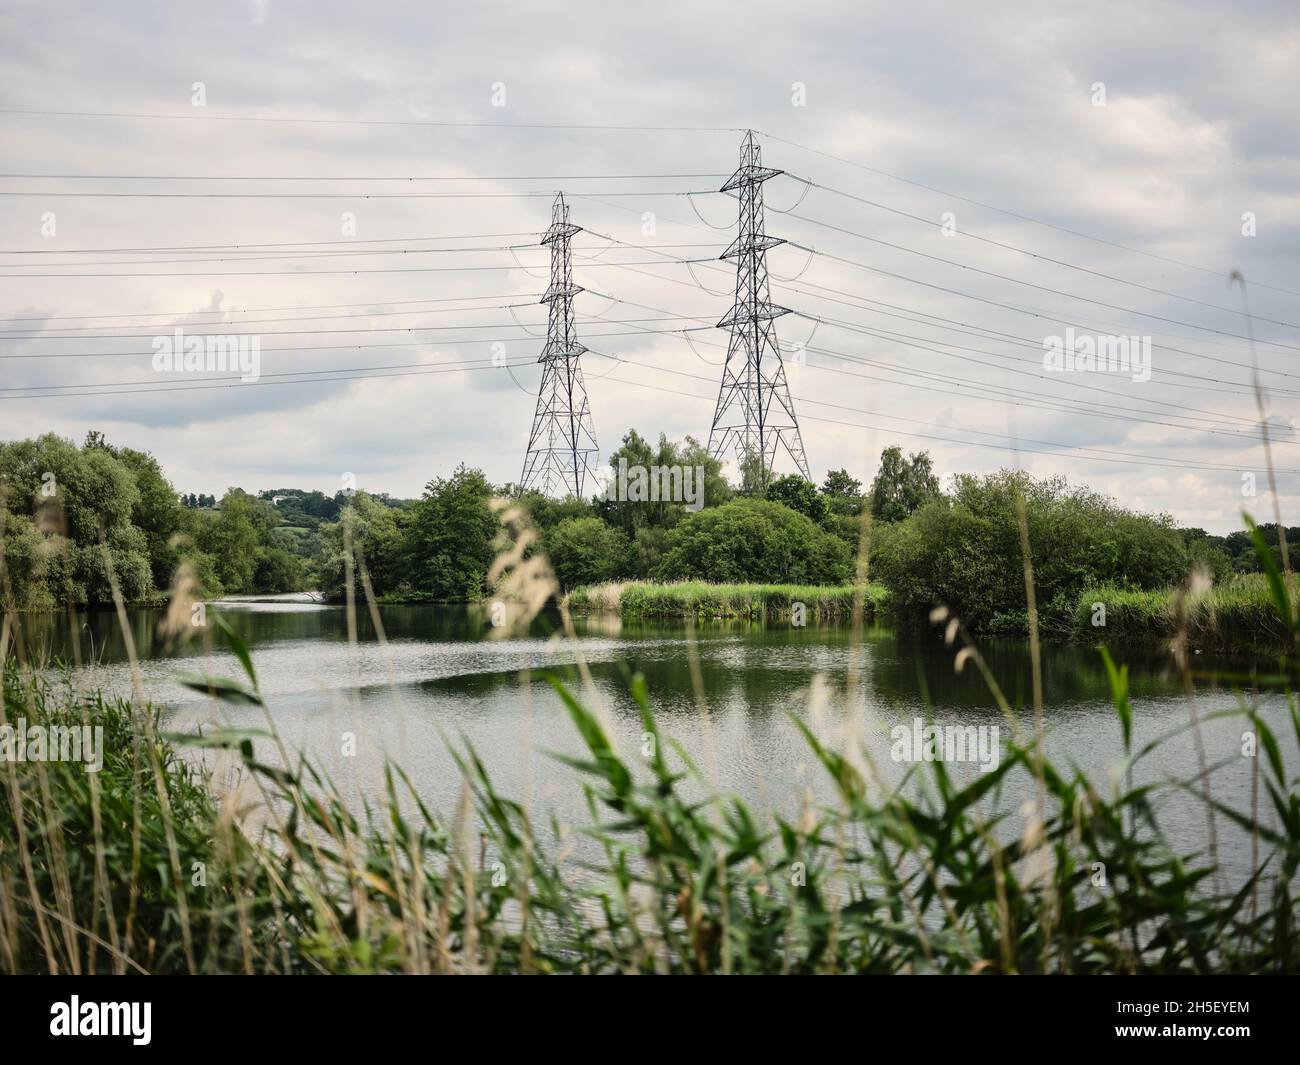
x=438, y=678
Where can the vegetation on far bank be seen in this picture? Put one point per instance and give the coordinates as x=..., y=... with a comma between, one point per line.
x=1238, y=616
x=646, y=599
x=63, y=506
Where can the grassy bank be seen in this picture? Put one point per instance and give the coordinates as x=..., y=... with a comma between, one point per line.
x=647, y=599
x=1238, y=616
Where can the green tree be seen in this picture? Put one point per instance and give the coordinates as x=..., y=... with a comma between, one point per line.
x=378, y=535
x=902, y=485
x=753, y=540
x=157, y=513
x=964, y=551
x=232, y=537
x=452, y=534
x=798, y=494
x=586, y=551
x=843, y=493
x=78, y=502
x=631, y=515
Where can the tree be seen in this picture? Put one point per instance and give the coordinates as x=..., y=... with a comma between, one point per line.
x=66, y=506
x=800, y=495
x=232, y=537
x=586, y=551
x=964, y=551
x=452, y=534
x=843, y=493
x=157, y=513
x=902, y=485
x=378, y=538
x=631, y=514
x=753, y=540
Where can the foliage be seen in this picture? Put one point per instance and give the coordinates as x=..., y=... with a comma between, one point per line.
x=378, y=538
x=66, y=505
x=1237, y=616
x=843, y=493
x=631, y=516
x=586, y=551
x=452, y=531
x=902, y=485
x=644, y=599
x=880, y=879
x=801, y=496
x=964, y=551
x=752, y=540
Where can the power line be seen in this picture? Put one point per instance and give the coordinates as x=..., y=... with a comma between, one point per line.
x=336, y=347
x=367, y=373
x=512, y=194
x=309, y=273
x=354, y=177
x=280, y=256
x=250, y=310
x=999, y=390
x=1051, y=443
x=1016, y=214
x=318, y=332
x=1016, y=397
x=7, y=334
x=1033, y=312
x=1009, y=247
x=252, y=247
x=1014, y=280
x=365, y=121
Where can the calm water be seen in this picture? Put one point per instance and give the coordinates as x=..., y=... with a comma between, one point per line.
x=439, y=678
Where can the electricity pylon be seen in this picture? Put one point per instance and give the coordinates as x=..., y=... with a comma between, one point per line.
x=755, y=415
x=562, y=446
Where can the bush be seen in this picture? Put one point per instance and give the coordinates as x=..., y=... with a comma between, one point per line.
x=756, y=541
x=964, y=551
x=586, y=551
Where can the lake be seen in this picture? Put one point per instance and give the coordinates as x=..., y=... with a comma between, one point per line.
x=439, y=678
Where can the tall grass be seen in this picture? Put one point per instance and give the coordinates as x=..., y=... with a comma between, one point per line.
x=1237, y=616
x=701, y=599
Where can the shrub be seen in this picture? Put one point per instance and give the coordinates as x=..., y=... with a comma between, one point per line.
x=964, y=551
x=586, y=551
x=753, y=540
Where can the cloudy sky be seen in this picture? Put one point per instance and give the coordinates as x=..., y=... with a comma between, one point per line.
x=983, y=178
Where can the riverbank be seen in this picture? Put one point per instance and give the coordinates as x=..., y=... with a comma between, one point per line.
x=648, y=599
x=1239, y=616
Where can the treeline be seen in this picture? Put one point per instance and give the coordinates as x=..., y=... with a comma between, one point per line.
x=68, y=513
x=963, y=549
x=65, y=505
x=441, y=546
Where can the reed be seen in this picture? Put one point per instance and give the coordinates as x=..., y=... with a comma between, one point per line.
x=701, y=599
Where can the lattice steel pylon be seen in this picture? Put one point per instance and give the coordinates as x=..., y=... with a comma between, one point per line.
x=562, y=445
x=755, y=415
